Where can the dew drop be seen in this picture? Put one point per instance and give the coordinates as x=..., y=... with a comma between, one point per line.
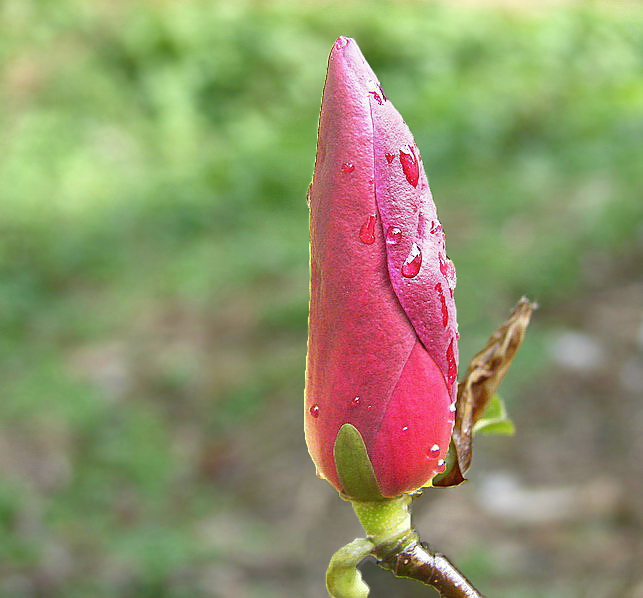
x=314, y=411
x=441, y=466
x=411, y=266
x=377, y=96
x=452, y=366
x=405, y=428
x=452, y=407
x=434, y=451
x=443, y=305
x=452, y=279
x=436, y=228
x=341, y=42
x=367, y=231
x=347, y=167
x=410, y=165
x=389, y=157
x=369, y=407
x=393, y=235
x=444, y=268
x=356, y=401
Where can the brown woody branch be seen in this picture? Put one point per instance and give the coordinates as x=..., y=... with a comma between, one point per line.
x=415, y=560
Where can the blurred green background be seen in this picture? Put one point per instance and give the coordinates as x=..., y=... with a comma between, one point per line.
x=154, y=160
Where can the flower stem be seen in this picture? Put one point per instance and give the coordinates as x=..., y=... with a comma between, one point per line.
x=385, y=521
x=397, y=547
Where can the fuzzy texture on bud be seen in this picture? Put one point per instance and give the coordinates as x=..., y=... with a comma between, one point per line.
x=382, y=346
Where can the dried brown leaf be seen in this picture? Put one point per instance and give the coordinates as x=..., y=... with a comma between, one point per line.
x=480, y=383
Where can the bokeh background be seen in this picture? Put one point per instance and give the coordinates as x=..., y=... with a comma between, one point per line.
x=154, y=160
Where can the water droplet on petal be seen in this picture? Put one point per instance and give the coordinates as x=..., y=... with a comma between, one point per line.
x=347, y=167
x=367, y=231
x=411, y=266
x=314, y=411
x=441, y=466
x=356, y=401
x=436, y=227
x=405, y=428
x=444, y=268
x=341, y=42
x=434, y=451
x=377, y=97
x=389, y=157
x=452, y=279
x=393, y=235
x=452, y=366
x=452, y=407
x=443, y=305
x=410, y=165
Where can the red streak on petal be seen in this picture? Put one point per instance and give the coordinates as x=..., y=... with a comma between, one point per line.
x=452, y=371
x=443, y=304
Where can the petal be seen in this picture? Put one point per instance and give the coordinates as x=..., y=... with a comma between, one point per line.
x=416, y=419
x=405, y=203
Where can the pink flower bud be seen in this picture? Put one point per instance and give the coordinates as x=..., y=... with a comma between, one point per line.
x=382, y=347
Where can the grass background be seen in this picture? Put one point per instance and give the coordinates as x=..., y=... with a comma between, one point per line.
x=154, y=159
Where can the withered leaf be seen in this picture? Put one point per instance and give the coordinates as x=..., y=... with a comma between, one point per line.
x=481, y=380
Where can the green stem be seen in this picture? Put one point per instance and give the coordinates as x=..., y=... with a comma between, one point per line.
x=385, y=521
x=396, y=546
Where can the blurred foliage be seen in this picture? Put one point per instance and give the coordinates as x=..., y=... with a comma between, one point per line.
x=154, y=160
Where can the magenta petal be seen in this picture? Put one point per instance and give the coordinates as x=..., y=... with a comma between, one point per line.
x=414, y=423
x=404, y=201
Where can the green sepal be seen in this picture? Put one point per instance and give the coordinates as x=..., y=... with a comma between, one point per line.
x=495, y=420
x=354, y=468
